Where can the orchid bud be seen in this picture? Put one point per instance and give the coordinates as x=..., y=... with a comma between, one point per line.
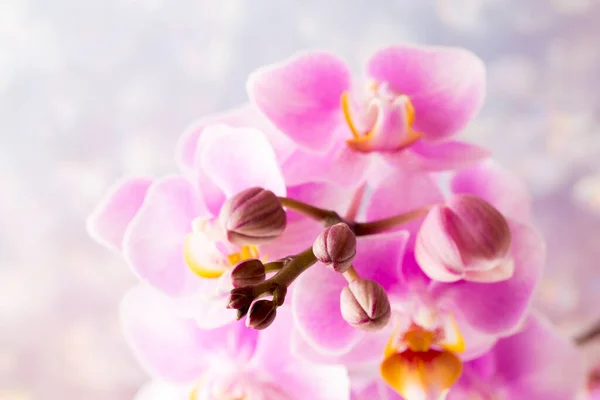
x=467, y=238
x=336, y=247
x=240, y=299
x=365, y=305
x=248, y=272
x=253, y=216
x=262, y=314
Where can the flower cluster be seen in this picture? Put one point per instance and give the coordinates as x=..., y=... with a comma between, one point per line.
x=371, y=254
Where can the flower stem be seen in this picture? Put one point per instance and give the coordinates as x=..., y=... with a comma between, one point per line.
x=330, y=217
x=386, y=224
x=326, y=217
x=287, y=274
x=351, y=275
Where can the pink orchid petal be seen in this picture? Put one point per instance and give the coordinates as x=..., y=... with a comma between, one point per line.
x=316, y=308
x=153, y=243
x=159, y=390
x=368, y=350
x=168, y=346
x=299, y=378
x=537, y=363
x=208, y=305
x=245, y=116
x=477, y=343
x=433, y=157
x=498, y=308
x=379, y=257
x=175, y=348
x=402, y=191
x=341, y=165
x=109, y=220
x=377, y=390
x=238, y=158
x=497, y=186
x=446, y=85
x=301, y=97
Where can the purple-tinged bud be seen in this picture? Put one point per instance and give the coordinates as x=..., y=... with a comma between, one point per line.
x=248, y=272
x=336, y=247
x=365, y=305
x=240, y=298
x=262, y=314
x=253, y=216
x=467, y=238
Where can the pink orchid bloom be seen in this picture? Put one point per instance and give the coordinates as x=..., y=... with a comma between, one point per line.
x=535, y=363
x=416, y=99
x=230, y=362
x=167, y=229
x=446, y=323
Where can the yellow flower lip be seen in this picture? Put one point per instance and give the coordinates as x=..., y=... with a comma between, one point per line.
x=419, y=375
x=422, y=363
x=204, y=258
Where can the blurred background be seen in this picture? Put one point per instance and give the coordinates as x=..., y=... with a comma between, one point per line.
x=94, y=90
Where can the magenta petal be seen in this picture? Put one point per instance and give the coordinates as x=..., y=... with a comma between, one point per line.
x=403, y=191
x=445, y=84
x=188, y=142
x=341, y=165
x=153, y=243
x=379, y=257
x=497, y=186
x=238, y=158
x=314, y=381
x=537, y=363
x=316, y=308
x=444, y=156
x=108, y=222
x=245, y=116
x=168, y=346
x=174, y=348
x=301, y=97
x=498, y=308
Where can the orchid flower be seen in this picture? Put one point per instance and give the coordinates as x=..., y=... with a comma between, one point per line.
x=168, y=232
x=435, y=326
x=415, y=100
x=230, y=362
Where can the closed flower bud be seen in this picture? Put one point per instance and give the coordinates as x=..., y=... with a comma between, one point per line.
x=240, y=298
x=253, y=216
x=467, y=238
x=336, y=247
x=365, y=305
x=248, y=272
x=262, y=314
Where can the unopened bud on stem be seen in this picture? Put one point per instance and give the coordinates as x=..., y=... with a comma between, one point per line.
x=253, y=216
x=467, y=238
x=262, y=314
x=248, y=272
x=240, y=299
x=336, y=247
x=365, y=305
